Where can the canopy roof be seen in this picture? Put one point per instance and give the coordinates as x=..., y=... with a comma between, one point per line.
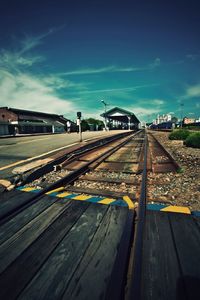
x=120, y=114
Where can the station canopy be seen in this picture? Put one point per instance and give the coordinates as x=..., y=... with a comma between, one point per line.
x=118, y=116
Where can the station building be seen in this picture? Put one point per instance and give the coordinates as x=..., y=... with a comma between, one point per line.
x=118, y=118
x=13, y=120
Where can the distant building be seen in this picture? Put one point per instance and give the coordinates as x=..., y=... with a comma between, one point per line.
x=197, y=120
x=13, y=121
x=162, y=119
x=188, y=120
x=119, y=118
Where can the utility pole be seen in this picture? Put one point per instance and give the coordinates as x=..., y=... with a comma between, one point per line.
x=105, y=104
x=181, y=110
x=79, y=125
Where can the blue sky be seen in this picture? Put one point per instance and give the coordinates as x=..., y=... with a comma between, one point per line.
x=65, y=56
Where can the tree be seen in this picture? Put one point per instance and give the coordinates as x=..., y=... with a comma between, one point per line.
x=84, y=125
x=174, y=119
x=95, y=124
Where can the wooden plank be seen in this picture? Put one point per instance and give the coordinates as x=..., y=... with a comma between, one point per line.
x=52, y=279
x=105, y=193
x=75, y=165
x=23, y=269
x=197, y=220
x=13, y=225
x=91, y=278
x=119, y=167
x=5, y=196
x=160, y=268
x=12, y=201
x=32, y=165
x=187, y=241
x=118, y=279
x=17, y=243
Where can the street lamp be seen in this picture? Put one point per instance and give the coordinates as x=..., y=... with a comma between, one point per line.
x=181, y=109
x=105, y=104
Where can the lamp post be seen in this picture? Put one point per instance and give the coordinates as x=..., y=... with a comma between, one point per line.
x=181, y=109
x=105, y=104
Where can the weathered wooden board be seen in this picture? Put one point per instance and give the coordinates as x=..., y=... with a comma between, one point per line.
x=119, y=167
x=12, y=200
x=51, y=280
x=186, y=234
x=32, y=165
x=103, y=193
x=26, y=265
x=17, y=243
x=160, y=269
x=91, y=278
x=13, y=225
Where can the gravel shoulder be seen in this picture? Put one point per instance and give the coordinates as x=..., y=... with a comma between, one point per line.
x=182, y=189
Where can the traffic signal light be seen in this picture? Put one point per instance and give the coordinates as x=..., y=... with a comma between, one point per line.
x=78, y=114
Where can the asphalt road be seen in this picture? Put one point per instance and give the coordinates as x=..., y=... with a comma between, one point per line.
x=15, y=151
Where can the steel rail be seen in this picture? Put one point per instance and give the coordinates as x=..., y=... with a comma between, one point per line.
x=69, y=178
x=70, y=157
x=135, y=283
x=169, y=155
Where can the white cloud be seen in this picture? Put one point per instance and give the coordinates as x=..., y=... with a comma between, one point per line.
x=192, y=57
x=156, y=63
x=30, y=42
x=142, y=111
x=157, y=102
x=111, y=69
x=15, y=61
x=21, y=89
x=28, y=92
x=126, y=89
x=193, y=91
x=95, y=115
x=18, y=58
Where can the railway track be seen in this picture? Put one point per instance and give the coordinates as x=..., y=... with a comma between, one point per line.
x=48, y=227
x=111, y=171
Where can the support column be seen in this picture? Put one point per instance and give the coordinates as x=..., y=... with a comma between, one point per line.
x=129, y=123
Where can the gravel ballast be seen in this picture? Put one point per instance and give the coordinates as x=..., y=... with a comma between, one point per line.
x=183, y=188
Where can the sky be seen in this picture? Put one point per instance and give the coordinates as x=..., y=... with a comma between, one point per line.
x=66, y=56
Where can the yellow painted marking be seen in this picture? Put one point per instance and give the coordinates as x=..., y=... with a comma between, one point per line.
x=129, y=202
x=82, y=197
x=62, y=195
x=177, y=209
x=107, y=201
x=56, y=190
x=35, y=157
x=28, y=189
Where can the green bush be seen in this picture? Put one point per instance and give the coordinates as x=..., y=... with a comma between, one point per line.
x=193, y=140
x=180, y=134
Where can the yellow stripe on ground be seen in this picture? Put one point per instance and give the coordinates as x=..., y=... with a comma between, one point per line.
x=177, y=209
x=107, y=201
x=62, y=195
x=56, y=190
x=82, y=197
x=28, y=189
x=129, y=202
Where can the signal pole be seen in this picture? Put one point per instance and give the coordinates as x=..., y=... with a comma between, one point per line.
x=78, y=122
